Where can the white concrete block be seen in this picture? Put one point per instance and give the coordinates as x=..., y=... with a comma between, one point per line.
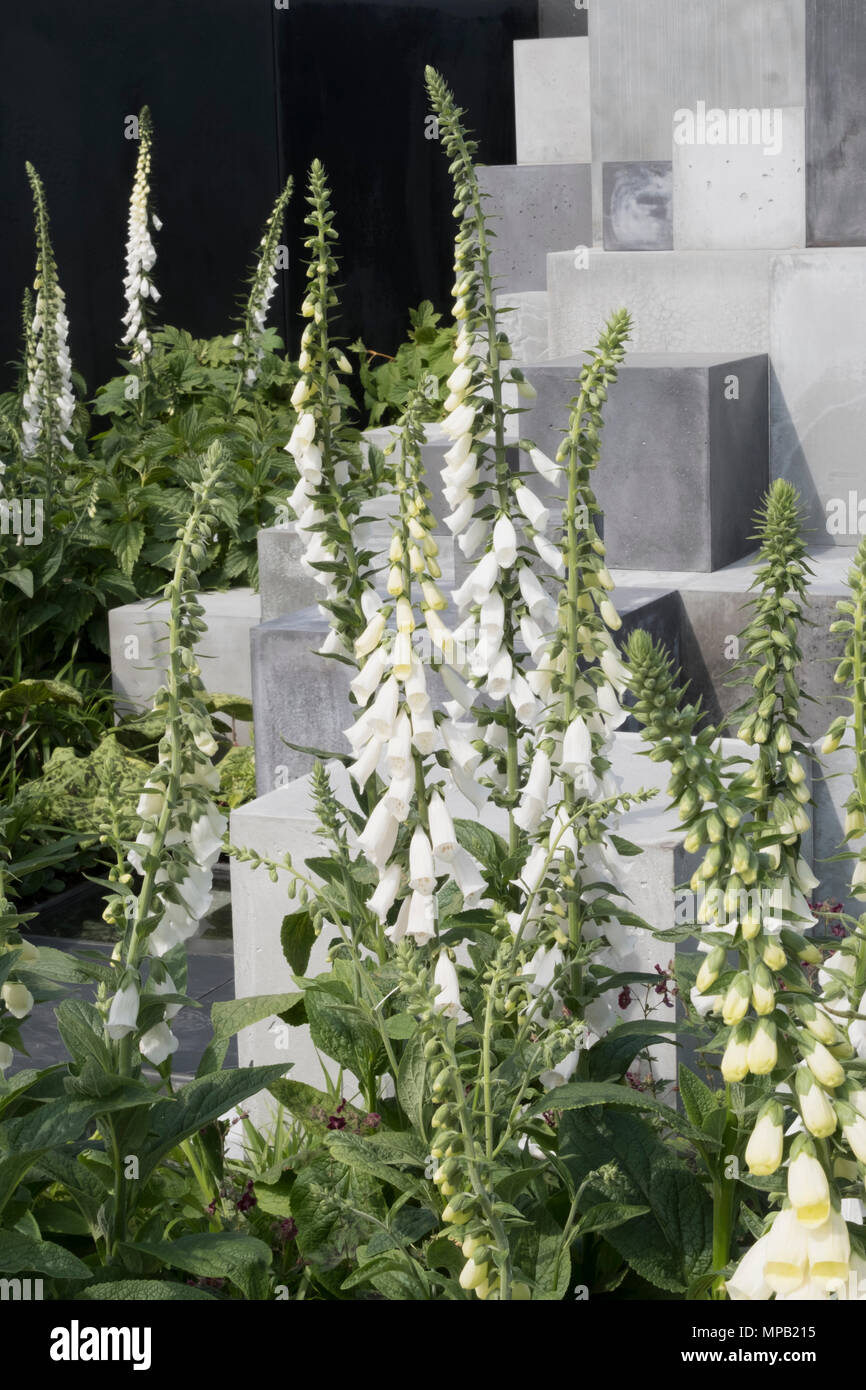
x=527, y=325
x=552, y=101
x=137, y=638
x=649, y=60
x=680, y=301
x=818, y=387
x=743, y=195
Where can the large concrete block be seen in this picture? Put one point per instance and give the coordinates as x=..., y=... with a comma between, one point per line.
x=684, y=458
x=551, y=101
x=714, y=610
x=700, y=301
x=535, y=208
x=836, y=122
x=559, y=19
x=137, y=637
x=638, y=213
x=649, y=61
x=303, y=697
x=817, y=393
x=832, y=781
x=526, y=324
x=743, y=195
x=283, y=584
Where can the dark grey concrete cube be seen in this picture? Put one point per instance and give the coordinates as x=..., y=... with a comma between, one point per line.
x=835, y=123
x=563, y=19
x=637, y=201
x=535, y=208
x=304, y=697
x=684, y=458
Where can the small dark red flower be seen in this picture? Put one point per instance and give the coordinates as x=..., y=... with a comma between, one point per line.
x=624, y=997
x=373, y=1120
x=336, y=1122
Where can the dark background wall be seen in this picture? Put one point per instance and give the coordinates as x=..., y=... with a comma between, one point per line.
x=242, y=93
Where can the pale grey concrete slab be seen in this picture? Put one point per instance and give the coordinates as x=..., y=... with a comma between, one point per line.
x=138, y=638
x=818, y=386
x=552, y=101
x=560, y=19
x=638, y=211
x=680, y=301
x=283, y=583
x=684, y=458
x=649, y=61
x=836, y=122
x=535, y=208
x=742, y=196
x=832, y=781
x=527, y=325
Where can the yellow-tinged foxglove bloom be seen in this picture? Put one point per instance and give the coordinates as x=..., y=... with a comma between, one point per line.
x=787, y=1251
x=766, y=1145
x=711, y=967
x=819, y=1117
x=808, y=1189
x=855, y=1134
x=735, y=1060
x=763, y=991
x=737, y=999
x=747, y=1281
x=824, y=1067
x=763, y=1051
x=17, y=998
x=829, y=1254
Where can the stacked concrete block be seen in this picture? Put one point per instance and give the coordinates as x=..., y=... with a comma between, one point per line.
x=527, y=323
x=684, y=454
x=563, y=19
x=638, y=205
x=703, y=301
x=832, y=781
x=714, y=609
x=748, y=194
x=836, y=122
x=303, y=697
x=817, y=398
x=552, y=101
x=533, y=209
x=651, y=61
x=137, y=638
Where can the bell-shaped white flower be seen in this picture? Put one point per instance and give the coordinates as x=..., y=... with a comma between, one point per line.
x=123, y=1012
x=421, y=918
x=808, y=1190
x=468, y=877
x=6, y=1056
x=158, y=1044
x=576, y=760
x=365, y=765
x=829, y=1251
x=747, y=1281
x=382, y=899
x=504, y=542
x=367, y=682
x=447, y=1000
x=472, y=538
x=383, y=713
x=786, y=1253
x=533, y=509
x=422, y=874
x=551, y=472
x=376, y=841
x=424, y=729
x=165, y=985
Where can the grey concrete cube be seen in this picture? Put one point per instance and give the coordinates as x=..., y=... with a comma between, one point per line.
x=535, y=208
x=684, y=454
x=836, y=122
x=562, y=19
x=551, y=101
x=817, y=401
x=649, y=61
x=283, y=584
x=137, y=638
x=638, y=205
x=526, y=323
x=706, y=301
x=303, y=697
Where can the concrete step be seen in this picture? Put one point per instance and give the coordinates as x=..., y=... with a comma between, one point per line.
x=551, y=101
x=684, y=454
x=535, y=208
x=638, y=205
x=836, y=122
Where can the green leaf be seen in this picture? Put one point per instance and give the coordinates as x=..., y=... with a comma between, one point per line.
x=699, y=1101
x=200, y=1102
x=21, y=578
x=12, y=1169
x=357, y=1153
x=216, y=1255
x=577, y=1095
x=297, y=936
x=19, y=1253
x=410, y=1079
x=230, y=1016
x=335, y=1211
x=39, y=692
x=81, y=1027
x=145, y=1291
x=390, y=1274
x=486, y=847
x=305, y=1103
x=606, y=1215
x=612, y=1056
x=672, y=1244
x=344, y=1033
x=235, y=706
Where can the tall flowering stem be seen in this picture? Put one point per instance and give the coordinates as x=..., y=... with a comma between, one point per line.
x=49, y=400
x=334, y=478
x=487, y=499
x=138, y=286
x=262, y=286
